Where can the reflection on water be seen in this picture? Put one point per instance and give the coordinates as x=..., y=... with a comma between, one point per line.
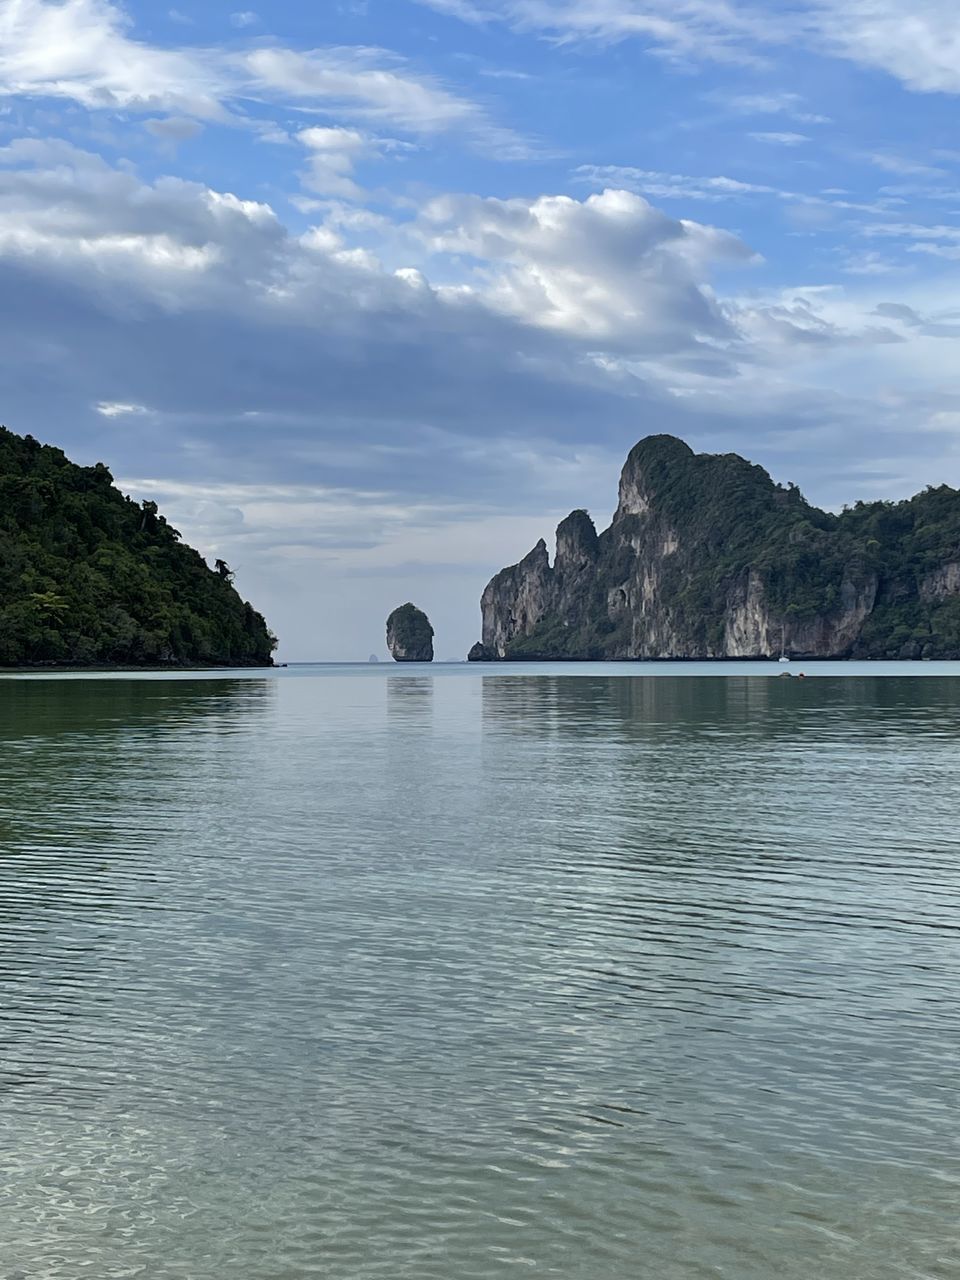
x=602, y=705
x=588, y=977
x=409, y=700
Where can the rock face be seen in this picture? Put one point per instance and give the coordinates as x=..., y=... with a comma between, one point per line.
x=707, y=557
x=410, y=635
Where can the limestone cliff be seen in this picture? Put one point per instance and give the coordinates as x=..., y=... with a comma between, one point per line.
x=410, y=635
x=707, y=557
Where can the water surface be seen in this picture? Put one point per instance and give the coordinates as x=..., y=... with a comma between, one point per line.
x=470, y=973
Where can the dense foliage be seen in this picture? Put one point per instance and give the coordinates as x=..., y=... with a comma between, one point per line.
x=89, y=576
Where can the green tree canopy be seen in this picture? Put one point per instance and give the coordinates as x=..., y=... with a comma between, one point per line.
x=89, y=576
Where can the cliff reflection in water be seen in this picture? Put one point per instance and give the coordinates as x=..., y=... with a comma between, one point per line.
x=409, y=699
x=800, y=776
x=645, y=706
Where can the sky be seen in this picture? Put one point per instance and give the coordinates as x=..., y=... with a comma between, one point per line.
x=368, y=294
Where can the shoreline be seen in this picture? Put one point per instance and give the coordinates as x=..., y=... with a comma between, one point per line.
x=773, y=661
x=78, y=668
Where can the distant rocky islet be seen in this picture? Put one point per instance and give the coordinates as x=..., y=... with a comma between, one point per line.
x=409, y=635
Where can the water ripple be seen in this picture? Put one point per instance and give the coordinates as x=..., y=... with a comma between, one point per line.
x=420, y=977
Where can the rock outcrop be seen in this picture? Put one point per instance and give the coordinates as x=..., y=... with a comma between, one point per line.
x=410, y=635
x=707, y=557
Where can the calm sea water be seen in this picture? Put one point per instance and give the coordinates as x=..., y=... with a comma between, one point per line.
x=473, y=974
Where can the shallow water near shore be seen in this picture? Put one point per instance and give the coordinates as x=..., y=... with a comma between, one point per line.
x=593, y=972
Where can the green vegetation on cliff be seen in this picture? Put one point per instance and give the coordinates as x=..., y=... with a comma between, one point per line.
x=708, y=557
x=88, y=576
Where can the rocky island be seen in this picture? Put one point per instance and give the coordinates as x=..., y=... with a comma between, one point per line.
x=410, y=635
x=707, y=557
x=89, y=577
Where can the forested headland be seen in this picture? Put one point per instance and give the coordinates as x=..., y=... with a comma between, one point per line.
x=89, y=577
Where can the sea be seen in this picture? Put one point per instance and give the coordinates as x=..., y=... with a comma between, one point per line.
x=620, y=972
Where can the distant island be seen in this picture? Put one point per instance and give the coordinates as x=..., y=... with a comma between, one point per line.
x=89, y=577
x=708, y=558
x=409, y=635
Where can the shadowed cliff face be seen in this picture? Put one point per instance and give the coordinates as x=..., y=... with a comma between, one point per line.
x=707, y=557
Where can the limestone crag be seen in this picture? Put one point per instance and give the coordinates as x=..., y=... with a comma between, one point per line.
x=707, y=557
x=410, y=635
x=942, y=583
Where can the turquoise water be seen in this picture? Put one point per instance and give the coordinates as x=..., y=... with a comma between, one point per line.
x=593, y=973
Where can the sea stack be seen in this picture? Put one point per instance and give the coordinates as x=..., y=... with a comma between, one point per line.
x=410, y=635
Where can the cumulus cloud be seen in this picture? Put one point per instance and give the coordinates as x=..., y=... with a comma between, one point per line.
x=108, y=272
x=499, y=301
x=81, y=49
x=611, y=268
x=578, y=310
x=69, y=212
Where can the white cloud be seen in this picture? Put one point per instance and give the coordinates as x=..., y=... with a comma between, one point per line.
x=114, y=409
x=674, y=186
x=80, y=49
x=610, y=268
x=693, y=29
x=678, y=186
x=905, y=165
x=868, y=264
x=333, y=154
x=783, y=139
x=357, y=80
x=245, y=18
x=919, y=46
x=68, y=211
x=770, y=104
x=83, y=50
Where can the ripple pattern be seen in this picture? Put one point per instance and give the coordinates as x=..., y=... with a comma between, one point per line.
x=420, y=978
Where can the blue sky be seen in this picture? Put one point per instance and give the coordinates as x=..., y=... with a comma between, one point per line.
x=369, y=294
